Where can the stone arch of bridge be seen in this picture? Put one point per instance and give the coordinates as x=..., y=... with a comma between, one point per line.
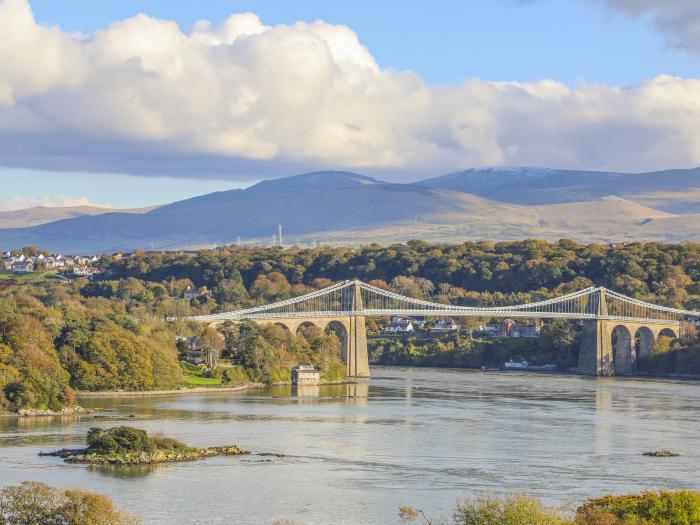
x=643, y=341
x=311, y=324
x=668, y=332
x=284, y=326
x=624, y=358
x=340, y=329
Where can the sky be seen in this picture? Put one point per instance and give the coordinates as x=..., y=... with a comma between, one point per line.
x=133, y=103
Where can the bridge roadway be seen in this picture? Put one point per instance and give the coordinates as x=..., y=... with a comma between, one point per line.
x=617, y=330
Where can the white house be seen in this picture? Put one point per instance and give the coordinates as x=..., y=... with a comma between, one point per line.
x=194, y=293
x=416, y=322
x=491, y=330
x=23, y=267
x=445, y=325
x=305, y=375
x=399, y=328
x=84, y=270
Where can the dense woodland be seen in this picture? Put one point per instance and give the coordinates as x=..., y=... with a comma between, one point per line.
x=484, y=273
x=59, y=335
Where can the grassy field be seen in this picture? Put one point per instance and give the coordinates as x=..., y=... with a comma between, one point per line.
x=202, y=381
x=193, y=376
x=22, y=278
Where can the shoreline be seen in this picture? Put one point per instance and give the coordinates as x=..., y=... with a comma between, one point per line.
x=64, y=412
x=196, y=390
x=80, y=411
x=173, y=391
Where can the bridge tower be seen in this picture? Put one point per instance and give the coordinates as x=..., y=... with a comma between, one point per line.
x=600, y=355
x=356, y=350
x=596, y=355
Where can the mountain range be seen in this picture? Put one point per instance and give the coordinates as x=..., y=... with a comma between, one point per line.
x=348, y=208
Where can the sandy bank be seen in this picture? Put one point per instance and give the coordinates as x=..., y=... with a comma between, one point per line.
x=145, y=393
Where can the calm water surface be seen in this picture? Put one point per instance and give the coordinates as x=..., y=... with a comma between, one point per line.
x=355, y=453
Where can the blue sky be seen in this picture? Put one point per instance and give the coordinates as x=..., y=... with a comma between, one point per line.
x=444, y=43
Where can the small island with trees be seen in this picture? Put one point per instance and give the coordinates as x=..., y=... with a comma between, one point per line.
x=125, y=445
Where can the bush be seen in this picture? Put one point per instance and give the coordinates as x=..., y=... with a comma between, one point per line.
x=118, y=440
x=648, y=508
x=510, y=510
x=165, y=443
x=189, y=368
x=659, y=508
x=122, y=439
x=235, y=375
x=334, y=371
x=33, y=503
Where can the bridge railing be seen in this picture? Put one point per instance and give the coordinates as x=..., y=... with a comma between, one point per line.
x=356, y=298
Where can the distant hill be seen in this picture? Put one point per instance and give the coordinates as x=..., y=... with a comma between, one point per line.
x=342, y=207
x=473, y=218
x=43, y=214
x=672, y=190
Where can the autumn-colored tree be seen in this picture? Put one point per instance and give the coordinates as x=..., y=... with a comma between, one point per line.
x=33, y=503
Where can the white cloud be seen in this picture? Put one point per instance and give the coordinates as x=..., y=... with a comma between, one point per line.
x=143, y=96
x=60, y=201
x=679, y=20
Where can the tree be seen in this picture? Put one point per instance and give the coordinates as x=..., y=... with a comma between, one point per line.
x=33, y=503
x=230, y=292
x=214, y=343
x=182, y=348
x=661, y=345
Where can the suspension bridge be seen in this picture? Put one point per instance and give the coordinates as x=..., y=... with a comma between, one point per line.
x=617, y=330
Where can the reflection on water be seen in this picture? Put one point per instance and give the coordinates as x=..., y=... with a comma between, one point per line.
x=355, y=453
x=126, y=471
x=355, y=391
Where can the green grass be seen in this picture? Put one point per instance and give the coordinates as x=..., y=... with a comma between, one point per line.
x=26, y=278
x=202, y=381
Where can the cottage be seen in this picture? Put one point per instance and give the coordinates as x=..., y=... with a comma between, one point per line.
x=399, y=328
x=445, y=325
x=491, y=330
x=305, y=375
x=191, y=350
x=84, y=270
x=22, y=267
x=193, y=293
x=417, y=322
x=510, y=328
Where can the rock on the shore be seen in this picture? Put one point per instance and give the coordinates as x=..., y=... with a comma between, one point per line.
x=157, y=456
x=67, y=411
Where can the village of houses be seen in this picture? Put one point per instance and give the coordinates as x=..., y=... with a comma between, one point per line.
x=77, y=265
x=403, y=326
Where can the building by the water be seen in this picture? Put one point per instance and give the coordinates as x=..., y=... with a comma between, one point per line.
x=305, y=375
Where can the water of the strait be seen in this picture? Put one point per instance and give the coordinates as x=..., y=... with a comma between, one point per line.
x=355, y=453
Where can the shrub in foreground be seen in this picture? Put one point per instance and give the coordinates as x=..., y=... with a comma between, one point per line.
x=33, y=503
x=510, y=510
x=648, y=508
x=659, y=508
